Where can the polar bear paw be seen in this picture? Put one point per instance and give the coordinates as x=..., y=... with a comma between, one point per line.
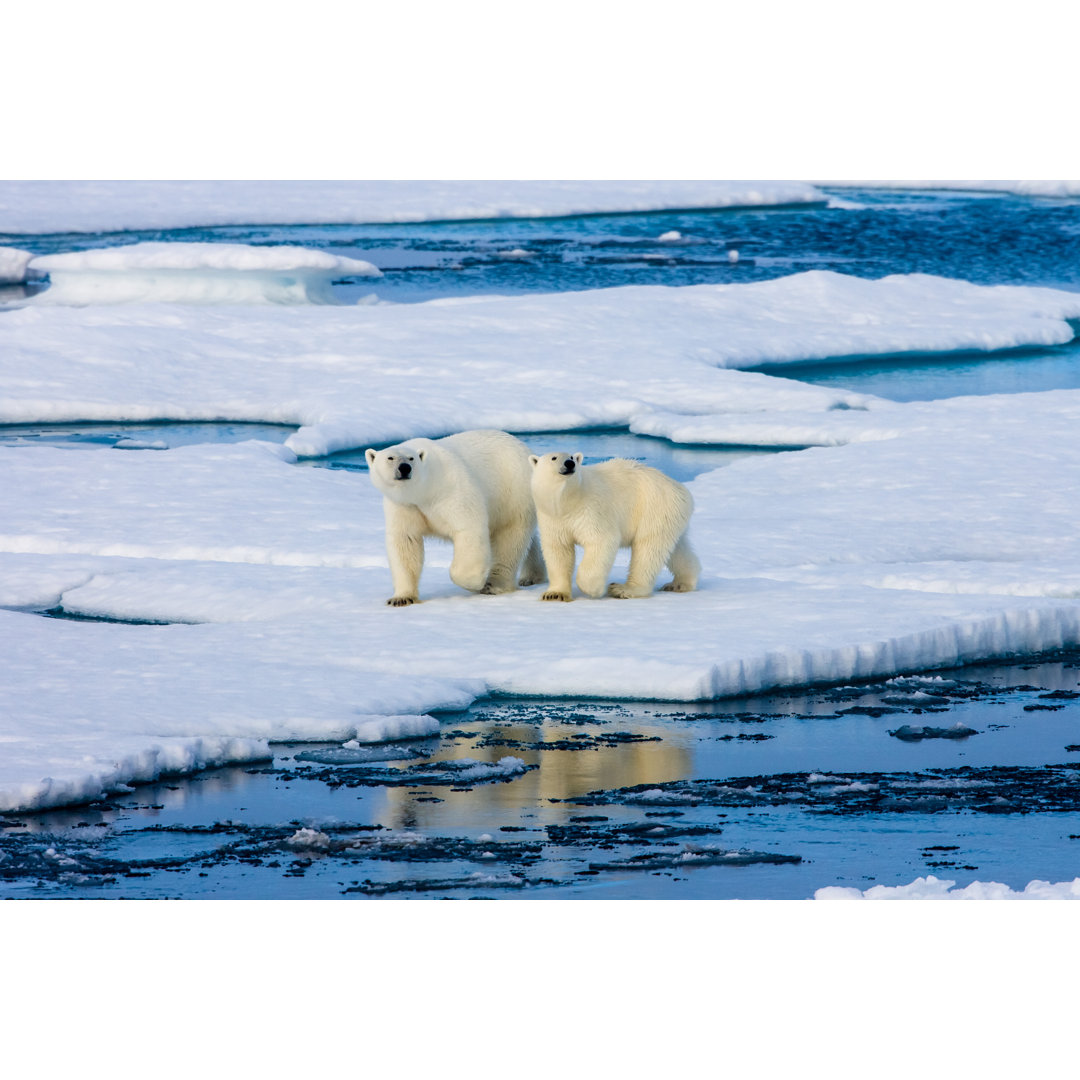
x=676, y=586
x=554, y=594
x=402, y=601
x=622, y=591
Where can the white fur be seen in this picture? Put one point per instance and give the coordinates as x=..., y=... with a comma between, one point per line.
x=471, y=489
x=605, y=507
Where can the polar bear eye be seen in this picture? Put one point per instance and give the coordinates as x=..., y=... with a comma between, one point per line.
x=554, y=457
x=390, y=458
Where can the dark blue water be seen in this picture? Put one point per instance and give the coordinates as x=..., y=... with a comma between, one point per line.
x=989, y=239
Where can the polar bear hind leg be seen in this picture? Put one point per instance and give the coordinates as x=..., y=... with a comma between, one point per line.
x=533, y=572
x=508, y=546
x=647, y=557
x=684, y=564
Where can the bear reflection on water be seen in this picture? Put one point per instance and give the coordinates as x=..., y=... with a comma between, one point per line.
x=652, y=757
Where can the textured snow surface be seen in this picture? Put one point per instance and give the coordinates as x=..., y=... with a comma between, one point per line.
x=649, y=357
x=195, y=273
x=932, y=888
x=933, y=548
x=48, y=206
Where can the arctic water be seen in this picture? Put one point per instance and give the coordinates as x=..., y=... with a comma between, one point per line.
x=970, y=775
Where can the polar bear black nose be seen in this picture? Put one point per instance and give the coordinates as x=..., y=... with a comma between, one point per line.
x=568, y=466
x=404, y=470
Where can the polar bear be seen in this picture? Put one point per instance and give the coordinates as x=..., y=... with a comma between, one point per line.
x=471, y=489
x=604, y=507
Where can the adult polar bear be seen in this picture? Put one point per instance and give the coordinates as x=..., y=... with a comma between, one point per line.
x=604, y=507
x=471, y=489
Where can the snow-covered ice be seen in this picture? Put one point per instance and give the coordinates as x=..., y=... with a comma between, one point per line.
x=195, y=273
x=13, y=264
x=648, y=357
x=949, y=534
x=53, y=206
x=932, y=888
x=1053, y=189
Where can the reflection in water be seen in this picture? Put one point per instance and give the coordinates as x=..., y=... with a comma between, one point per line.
x=609, y=757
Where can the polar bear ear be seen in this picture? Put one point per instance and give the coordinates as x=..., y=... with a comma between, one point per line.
x=578, y=458
x=370, y=455
x=534, y=460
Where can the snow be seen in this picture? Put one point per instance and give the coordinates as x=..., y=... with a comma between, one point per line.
x=649, y=357
x=932, y=888
x=952, y=535
x=55, y=206
x=1053, y=189
x=195, y=273
x=202, y=256
x=13, y=264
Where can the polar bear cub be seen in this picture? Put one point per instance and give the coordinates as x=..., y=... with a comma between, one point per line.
x=604, y=507
x=471, y=489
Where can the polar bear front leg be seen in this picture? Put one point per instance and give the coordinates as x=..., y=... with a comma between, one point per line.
x=596, y=563
x=559, y=555
x=471, y=565
x=405, y=551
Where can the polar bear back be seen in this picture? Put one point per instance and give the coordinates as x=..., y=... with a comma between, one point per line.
x=493, y=463
x=635, y=498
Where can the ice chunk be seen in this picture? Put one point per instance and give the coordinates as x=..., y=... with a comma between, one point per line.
x=196, y=273
x=932, y=888
x=913, y=734
x=13, y=264
x=309, y=840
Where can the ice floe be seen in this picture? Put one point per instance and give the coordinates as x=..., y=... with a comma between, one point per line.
x=932, y=888
x=195, y=273
x=949, y=534
x=1053, y=189
x=649, y=357
x=51, y=206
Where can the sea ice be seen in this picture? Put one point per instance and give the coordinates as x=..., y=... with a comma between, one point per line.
x=195, y=273
x=932, y=888
x=13, y=264
x=648, y=357
x=1054, y=189
x=926, y=546
x=51, y=206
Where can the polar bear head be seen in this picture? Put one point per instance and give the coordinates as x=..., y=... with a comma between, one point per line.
x=401, y=472
x=556, y=467
x=556, y=464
